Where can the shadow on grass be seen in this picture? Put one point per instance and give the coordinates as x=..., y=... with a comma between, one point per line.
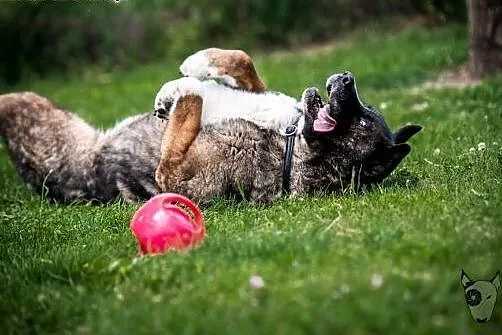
x=402, y=179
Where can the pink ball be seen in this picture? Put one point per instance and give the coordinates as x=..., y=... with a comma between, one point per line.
x=167, y=221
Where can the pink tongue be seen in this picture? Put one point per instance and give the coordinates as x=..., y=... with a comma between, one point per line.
x=324, y=122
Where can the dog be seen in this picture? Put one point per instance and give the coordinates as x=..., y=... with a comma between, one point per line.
x=338, y=143
x=480, y=296
x=225, y=98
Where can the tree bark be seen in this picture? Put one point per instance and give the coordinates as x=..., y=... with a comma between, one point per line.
x=485, y=30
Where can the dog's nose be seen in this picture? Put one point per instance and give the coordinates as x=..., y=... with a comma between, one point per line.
x=347, y=78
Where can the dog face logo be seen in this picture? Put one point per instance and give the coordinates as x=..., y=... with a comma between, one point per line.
x=480, y=296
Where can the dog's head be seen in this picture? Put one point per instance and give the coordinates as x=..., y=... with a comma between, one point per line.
x=350, y=135
x=480, y=296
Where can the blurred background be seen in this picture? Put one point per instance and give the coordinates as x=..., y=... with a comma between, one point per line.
x=45, y=37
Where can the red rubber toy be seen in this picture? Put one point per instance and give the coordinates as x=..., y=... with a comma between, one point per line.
x=161, y=224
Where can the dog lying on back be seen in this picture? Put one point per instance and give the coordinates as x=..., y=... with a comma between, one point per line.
x=339, y=142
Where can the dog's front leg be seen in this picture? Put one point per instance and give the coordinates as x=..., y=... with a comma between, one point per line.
x=234, y=67
x=177, y=140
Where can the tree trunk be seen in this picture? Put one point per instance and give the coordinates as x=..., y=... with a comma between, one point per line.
x=485, y=29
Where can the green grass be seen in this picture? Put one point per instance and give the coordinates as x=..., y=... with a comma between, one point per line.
x=76, y=269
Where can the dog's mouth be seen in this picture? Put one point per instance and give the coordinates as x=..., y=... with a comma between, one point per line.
x=323, y=120
x=481, y=320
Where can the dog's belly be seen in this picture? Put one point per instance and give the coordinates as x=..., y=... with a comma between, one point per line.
x=235, y=157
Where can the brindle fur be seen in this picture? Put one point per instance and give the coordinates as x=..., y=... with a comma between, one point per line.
x=239, y=156
x=60, y=154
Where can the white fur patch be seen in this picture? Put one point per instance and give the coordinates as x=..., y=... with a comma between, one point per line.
x=173, y=90
x=197, y=66
x=221, y=103
x=268, y=110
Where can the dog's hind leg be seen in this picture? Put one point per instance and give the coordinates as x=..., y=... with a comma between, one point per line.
x=233, y=67
x=178, y=138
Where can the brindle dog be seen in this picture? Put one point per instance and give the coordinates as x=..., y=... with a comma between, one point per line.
x=340, y=142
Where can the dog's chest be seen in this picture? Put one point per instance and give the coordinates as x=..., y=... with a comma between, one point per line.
x=268, y=110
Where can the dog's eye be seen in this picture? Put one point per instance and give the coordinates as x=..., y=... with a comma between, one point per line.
x=489, y=297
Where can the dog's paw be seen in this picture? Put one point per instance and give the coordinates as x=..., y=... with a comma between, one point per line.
x=214, y=63
x=170, y=92
x=311, y=99
x=161, y=178
x=198, y=66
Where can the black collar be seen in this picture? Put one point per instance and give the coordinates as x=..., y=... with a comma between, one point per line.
x=290, y=136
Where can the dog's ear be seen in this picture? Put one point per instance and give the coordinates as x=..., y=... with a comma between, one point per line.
x=465, y=280
x=404, y=134
x=496, y=280
x=383, y=162
x=395, y=155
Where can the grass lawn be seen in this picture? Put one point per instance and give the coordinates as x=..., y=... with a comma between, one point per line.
x=385, y=261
